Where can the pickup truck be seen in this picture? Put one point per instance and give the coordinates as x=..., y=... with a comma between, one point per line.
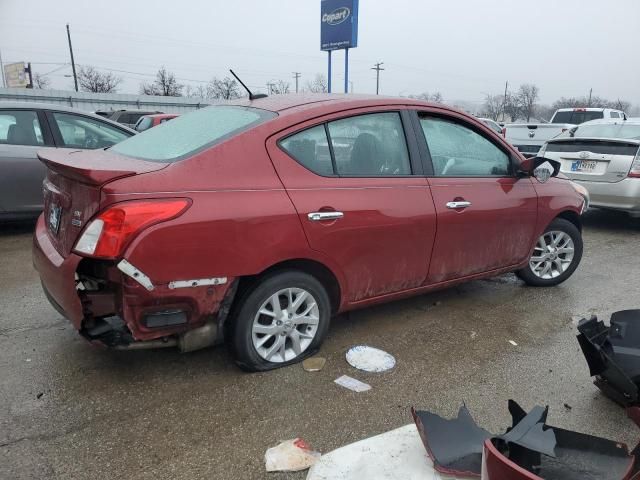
x=529, y=137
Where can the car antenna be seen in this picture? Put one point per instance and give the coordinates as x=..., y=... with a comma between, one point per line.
x=251, y=95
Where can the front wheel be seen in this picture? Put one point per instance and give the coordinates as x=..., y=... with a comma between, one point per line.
x=556, y=255
x=281, y=320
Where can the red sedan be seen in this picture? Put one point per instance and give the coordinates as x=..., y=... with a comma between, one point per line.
x=256, y=222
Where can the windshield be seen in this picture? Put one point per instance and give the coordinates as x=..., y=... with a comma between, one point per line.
x=191, y=133
x=604, y=130
x=576, y=117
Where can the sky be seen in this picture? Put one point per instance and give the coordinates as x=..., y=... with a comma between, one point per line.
x=463, y=49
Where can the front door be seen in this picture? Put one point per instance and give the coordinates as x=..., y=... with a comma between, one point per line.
x=486, y=215
x=353, y=183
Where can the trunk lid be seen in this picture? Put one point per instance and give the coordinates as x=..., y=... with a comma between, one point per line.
x=528, y=138
x=594, y=160
x=72, y=188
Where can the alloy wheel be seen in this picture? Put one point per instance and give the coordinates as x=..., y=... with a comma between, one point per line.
x=285, y=325
x=552, y=255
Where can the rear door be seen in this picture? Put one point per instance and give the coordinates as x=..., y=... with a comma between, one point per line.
x=486, y=215
x=22, y=133
x=355, y=182
x=594, y=160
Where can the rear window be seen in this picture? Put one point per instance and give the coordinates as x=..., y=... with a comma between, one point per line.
x=604, y=130
x=576, y=117
x=191, y=133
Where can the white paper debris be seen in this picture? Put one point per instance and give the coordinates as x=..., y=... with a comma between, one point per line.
x=290, y=456
x=370, y=359
x=352, y=384
x=513, y=343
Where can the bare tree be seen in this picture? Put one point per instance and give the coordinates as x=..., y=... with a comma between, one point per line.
x=492, y=107
x=223, y=89
x=318, y=85
x=92, y=80
x=279, y=87
x=196, y=92
x=41, y=82
x=164, y=85
x=429, y=97
x=526, y=99
x=512, y=107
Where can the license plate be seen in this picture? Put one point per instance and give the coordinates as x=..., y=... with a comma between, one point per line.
x=584, y=166
x=55, y=212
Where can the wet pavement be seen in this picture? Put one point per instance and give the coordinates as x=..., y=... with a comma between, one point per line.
x=68, y=410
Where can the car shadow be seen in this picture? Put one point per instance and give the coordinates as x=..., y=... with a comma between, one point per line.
x=598, y=219
x=17, y=227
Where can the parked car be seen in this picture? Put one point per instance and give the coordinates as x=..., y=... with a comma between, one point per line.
x=285, y=211
x=26, y=128
x=129, y=117
x=529, y=137
x=604, y=157
x=148, y=121
x=493, y=125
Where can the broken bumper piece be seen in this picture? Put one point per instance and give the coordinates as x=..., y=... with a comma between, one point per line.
x=529, y=450
x=613, y=354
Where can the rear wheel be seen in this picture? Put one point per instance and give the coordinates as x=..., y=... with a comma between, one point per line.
x=556, y=255
x=281, y=320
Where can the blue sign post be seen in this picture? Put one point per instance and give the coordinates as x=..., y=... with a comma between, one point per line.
x=339, y=30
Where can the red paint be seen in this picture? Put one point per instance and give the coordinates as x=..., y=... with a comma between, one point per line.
x=248, y=212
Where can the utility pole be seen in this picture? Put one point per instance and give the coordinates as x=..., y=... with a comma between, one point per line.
x=4, y=83
x=296, y=75
x=73, y=63
x=28, y=69
x=590, y=92
x=377, y=68
x=504, y=100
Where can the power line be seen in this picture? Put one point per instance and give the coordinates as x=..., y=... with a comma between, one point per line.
x=377, y=68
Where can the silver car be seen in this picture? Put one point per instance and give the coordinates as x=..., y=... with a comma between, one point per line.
x=604, y=157
x=26, y=128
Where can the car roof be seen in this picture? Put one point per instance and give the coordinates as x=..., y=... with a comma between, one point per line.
x=296, y=103
x=161, y=115
x=9, y=105
x=586, y=109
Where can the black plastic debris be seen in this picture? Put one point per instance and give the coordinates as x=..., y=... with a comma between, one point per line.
x=550, y=453
x=613, y=354
x=454, y=445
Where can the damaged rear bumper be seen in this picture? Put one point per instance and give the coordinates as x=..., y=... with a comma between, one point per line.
x=116, y=305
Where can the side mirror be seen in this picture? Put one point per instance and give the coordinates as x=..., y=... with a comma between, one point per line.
x=539, y=167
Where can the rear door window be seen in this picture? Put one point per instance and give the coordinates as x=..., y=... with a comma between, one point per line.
x=77, y=131
x=191, y=133
x=458, y=151
x=615, y=115
x=144, y=124
x=20, y=127
x=369, y=145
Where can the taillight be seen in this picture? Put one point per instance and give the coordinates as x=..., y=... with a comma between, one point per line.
x=107, y=234
x=634, y=171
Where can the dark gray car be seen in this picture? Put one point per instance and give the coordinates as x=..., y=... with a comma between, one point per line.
x=26, y=128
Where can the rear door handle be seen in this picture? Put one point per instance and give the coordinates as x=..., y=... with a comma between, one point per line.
x=319, y=216
x=460, y=204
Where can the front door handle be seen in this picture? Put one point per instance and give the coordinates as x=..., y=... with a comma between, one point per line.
x=319, y=216
x=459, y=204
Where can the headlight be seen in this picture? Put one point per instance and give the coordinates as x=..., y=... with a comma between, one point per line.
x=584, y=193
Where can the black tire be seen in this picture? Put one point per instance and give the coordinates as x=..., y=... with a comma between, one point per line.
x=240, y=337
x=561, y=225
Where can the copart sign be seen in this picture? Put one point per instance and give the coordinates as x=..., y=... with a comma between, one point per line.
x=338, y=24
